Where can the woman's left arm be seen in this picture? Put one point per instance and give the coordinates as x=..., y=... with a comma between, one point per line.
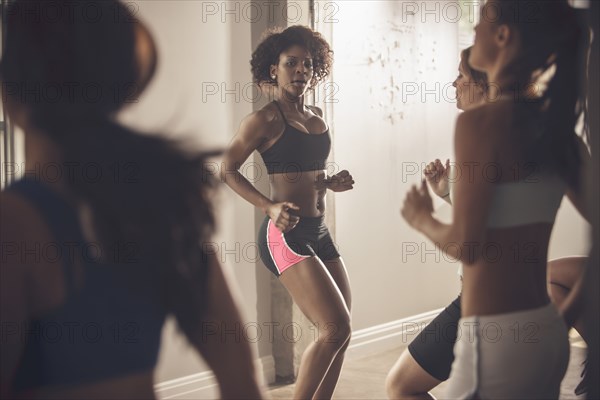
x=464, y=238
x=340, y=182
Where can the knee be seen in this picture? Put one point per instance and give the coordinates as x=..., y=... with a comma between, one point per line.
x=396, y=385
x=348, y=337
x=336, y=335
x=393, y=385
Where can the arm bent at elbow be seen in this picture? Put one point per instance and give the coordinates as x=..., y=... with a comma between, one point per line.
x=252, y=133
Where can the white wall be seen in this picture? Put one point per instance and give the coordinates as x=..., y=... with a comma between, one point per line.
x=382, y=54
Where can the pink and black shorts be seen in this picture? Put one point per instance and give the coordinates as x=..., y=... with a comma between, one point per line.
x=309, y=238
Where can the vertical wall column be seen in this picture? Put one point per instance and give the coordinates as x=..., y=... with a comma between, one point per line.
x=274, y=305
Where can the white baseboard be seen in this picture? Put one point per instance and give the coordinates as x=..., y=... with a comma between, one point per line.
x=195, y=386
x=364, y=342
x=203, y=385
x=380, y=338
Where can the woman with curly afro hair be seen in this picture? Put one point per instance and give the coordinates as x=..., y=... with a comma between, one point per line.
x=295, y=244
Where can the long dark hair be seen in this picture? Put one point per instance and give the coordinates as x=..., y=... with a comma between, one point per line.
x=145, y=190
x=552, y=37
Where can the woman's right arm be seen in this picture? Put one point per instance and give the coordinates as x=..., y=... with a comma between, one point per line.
x=252, y=133
x=221, y=341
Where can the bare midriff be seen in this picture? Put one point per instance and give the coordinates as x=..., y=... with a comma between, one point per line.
x=301, y=189
x=511, y=274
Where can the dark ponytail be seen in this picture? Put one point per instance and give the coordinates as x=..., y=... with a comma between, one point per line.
x=144, y=189
x=566, y=104
x=551, y=37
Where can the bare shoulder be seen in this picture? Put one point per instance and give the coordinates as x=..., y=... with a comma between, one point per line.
x=316, y=110
x=265, y=118
x=261, y=123
x=482, y=125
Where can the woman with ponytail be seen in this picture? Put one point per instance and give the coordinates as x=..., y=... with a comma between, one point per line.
x=104, y=236
x=516, y=157
x=428, y=359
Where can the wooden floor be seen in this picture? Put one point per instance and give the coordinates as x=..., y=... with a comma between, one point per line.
x=364, y=378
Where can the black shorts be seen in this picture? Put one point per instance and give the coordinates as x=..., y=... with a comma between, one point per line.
x=309, y=238
x=433, y=348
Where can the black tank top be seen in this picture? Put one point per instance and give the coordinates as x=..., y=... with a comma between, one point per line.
x=296, y=151
x=105, y=330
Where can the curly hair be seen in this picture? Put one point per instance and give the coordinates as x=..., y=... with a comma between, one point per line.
x=277, y=40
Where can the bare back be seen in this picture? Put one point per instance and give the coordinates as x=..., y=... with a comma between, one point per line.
x=510, y=273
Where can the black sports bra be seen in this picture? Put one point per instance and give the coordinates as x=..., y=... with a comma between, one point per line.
x=102, y=331
x=296, y=151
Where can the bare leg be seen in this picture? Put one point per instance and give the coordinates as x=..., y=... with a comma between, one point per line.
x=408, y=380
x=338, y=272
x=318, y=297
